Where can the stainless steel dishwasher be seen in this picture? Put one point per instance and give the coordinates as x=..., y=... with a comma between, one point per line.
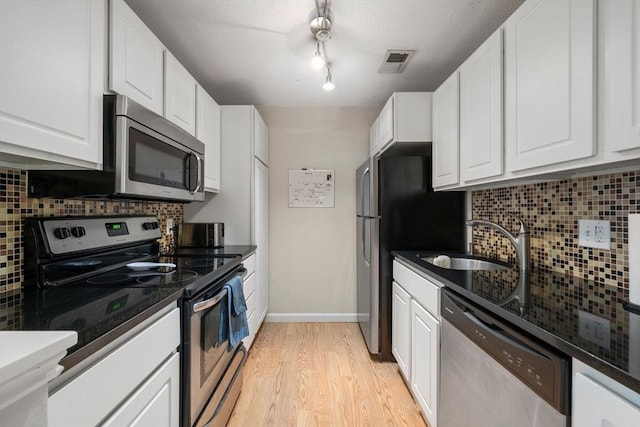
x=494, y=376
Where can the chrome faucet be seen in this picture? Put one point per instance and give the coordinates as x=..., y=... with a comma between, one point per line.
x=520, y=242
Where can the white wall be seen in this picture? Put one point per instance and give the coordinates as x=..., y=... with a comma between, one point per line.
x=312, y=257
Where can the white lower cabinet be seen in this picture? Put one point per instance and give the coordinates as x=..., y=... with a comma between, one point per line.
x=600, y=401
x=401, y=329
x=250, y=291
x=416, y=336
x=425, y=353
x=135, y=384
x=154, y=402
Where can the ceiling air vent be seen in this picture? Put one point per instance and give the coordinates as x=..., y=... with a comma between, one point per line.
x=395, y=61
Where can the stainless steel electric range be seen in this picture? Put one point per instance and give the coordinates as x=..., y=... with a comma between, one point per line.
x=86, y=271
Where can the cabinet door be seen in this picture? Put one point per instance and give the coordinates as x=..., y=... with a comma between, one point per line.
x=208, y=132
x=261, y=139
x=446, y=136
x=180, y=94
x=52, y=80
x=401, y=329
x=549, y=83
x=156, y=403
x=594, y=405
x=135, y=59
x=425, y=361
x=261, y=237
x=619, y=74
x=374, y=137
x=481, y=111
x=385, y=124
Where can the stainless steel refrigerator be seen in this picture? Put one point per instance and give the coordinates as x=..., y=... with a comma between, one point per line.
x=397, y=209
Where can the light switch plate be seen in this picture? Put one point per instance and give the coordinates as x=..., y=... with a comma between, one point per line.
x=169, y=225
x=594, y=234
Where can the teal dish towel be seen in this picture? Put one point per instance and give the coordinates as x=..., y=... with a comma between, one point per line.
x=236, y=312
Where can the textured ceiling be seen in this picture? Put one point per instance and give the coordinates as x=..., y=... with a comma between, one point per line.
x=258, y=51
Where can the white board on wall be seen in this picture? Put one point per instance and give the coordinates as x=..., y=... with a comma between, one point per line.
x=311, y=188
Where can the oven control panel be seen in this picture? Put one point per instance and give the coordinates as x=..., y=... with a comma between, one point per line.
x=67, y=235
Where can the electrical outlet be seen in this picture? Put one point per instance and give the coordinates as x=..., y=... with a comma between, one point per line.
x=594, y=234
x=169, y=225
x=595, y=329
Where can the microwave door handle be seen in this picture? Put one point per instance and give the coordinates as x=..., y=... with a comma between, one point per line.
x=200, y=173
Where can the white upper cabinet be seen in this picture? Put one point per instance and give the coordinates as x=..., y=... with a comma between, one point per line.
x=481, y=145
x=385, y=124
x=52, y=82
x=549, y=83
x=446, y=133
x=180, y=94
x=208, y=132
x=406, y=117
x=261, y=139
x=619, y=74
x=136, y=66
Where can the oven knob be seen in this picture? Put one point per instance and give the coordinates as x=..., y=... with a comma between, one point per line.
x=156, y=225
x=147, y=225
x=61, y=233
x=78, y=231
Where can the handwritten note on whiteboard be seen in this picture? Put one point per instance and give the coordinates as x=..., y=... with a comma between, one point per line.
x=311, y=188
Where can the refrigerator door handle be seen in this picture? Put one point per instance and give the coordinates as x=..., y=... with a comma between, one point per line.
x=364, y=249
x=362, y=183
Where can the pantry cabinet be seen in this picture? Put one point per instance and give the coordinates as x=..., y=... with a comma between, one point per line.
x=550, y=58
x=208, y=132
x=243, y=201
x=481, y=139
x=136, y=55
x=446, y=133
x=416, y=335
x=180, y=94
x=52, y=81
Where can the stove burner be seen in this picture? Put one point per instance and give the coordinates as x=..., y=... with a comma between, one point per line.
x=109, y=279
x=171, y=279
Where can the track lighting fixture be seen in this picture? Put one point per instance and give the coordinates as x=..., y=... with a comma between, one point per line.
x=320, y=26
x=317, y=60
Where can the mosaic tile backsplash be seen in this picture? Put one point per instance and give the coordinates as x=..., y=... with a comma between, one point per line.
x=552, y=210
x=15, y=206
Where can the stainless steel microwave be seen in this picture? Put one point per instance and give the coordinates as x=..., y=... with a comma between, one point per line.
x=144, y=155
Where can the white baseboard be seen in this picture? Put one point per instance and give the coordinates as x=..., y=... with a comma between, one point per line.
x=311, y=317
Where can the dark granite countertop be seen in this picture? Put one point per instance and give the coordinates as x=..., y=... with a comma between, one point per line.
x=228, y=250
x=98, y=315
x=581, y=318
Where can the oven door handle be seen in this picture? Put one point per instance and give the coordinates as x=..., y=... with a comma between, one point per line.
x=203, y=305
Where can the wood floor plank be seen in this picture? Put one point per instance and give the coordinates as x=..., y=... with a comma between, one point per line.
x=320, y=374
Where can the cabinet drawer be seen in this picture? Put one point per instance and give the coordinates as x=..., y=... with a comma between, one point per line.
x=116, y=376
x=249, y=285
x=421, y=289
x=250, y=264
x=251, y=305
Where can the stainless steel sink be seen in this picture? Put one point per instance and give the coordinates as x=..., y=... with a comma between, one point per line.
x=463, y=263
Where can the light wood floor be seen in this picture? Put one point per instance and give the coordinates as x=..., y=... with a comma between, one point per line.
x=320, y=374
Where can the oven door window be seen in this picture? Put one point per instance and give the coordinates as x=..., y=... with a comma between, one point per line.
x=213, y=338
x=155, y=162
